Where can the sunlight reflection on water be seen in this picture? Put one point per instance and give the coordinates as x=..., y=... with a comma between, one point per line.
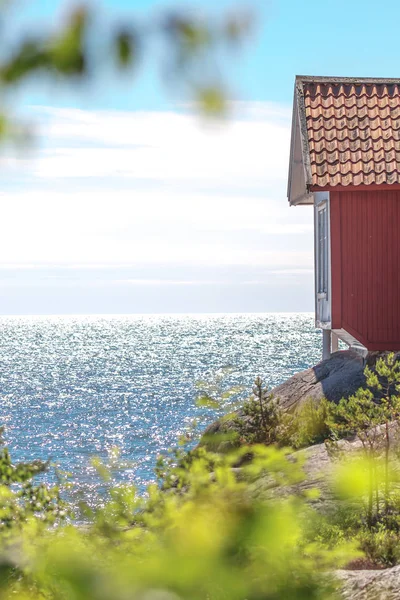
x=73, y=387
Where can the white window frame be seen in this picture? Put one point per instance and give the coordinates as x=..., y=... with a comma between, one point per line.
x=322, y=277
x=323, y=251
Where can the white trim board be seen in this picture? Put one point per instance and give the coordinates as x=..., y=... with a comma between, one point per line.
x=351, y=341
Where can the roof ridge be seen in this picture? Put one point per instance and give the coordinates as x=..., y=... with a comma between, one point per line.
x=347, y=80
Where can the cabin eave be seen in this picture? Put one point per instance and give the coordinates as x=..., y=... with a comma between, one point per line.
x=299, y=179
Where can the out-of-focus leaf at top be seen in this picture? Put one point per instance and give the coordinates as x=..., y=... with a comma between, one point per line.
x=30, y=57
x=67, y=53
x=190, y=57
x=212, y=100
x=191, y=34
x=238, y=26
x=126, y=47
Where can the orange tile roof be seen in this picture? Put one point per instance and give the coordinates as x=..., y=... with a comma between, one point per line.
x=352, y=129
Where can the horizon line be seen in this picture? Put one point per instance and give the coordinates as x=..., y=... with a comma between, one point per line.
x=160, y=314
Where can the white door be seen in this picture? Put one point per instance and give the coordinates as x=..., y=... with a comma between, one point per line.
x=322, y=261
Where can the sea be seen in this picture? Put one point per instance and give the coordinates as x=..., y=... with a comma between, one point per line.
x=79, y=388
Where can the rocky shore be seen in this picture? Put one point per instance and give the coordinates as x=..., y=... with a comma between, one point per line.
x=340, y=376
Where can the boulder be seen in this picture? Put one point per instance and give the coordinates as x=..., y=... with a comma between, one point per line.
x=319, y=466
x=370, y=585
x=338, y=377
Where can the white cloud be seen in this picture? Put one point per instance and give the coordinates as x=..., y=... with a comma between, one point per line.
x=112, y=188
x=163, y=146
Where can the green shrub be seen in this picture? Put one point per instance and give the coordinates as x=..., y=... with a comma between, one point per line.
x=21, y=498
x=260, y=417
x=368, y=415
x=306, y=426
x=381, y=545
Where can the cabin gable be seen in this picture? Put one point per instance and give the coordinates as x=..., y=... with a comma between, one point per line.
x=299, y=180
x=345, y=159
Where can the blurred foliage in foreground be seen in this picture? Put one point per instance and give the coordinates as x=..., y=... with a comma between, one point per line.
x=188, y=47
x=208, y=539
x=202, y=532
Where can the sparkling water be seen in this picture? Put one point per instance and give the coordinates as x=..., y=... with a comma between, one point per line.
x=74, y=387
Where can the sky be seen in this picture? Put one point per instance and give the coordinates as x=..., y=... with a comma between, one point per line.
x=130, y=202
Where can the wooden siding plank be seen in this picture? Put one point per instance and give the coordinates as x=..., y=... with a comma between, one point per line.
x=364, y=260
x=336, y=261
x=396, y=268
x=368, y=267
x=347, y=327
x=367, y=227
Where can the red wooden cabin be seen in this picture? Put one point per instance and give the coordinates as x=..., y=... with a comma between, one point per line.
x=345, y=160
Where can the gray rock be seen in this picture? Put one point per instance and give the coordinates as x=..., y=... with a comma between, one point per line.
x=370, y=585
x=338, y=377
x=319, y=466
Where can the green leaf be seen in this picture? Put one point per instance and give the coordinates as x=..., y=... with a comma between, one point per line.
x=212, y=101
x=67, y=51
x=125, y=47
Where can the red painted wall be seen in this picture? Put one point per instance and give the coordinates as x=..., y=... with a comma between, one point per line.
x=365, y=252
